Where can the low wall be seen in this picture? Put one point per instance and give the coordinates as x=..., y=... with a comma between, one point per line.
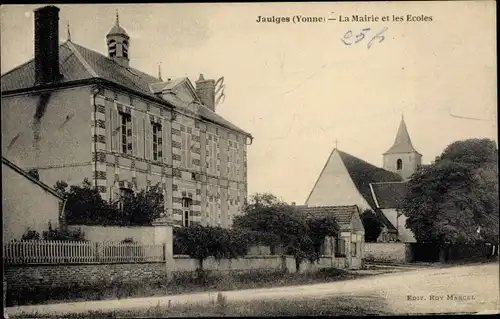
x=267, y=262
x=388, y=252
x=141, y=234
x=323, y=262
x=21, y=277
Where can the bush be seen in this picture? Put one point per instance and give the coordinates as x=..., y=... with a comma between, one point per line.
x=30, y=234
x=64, y=235
x=84, y=206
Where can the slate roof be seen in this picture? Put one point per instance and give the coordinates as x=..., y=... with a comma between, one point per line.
x=343, y=214
x=78, y=63
x=389, y=195
x=363, y=173
x=30, y=178
x=402, y=143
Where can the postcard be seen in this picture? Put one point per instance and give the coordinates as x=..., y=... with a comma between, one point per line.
x=233, y=159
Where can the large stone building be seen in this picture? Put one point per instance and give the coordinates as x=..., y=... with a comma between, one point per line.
x=347, y=180
x=72, y=113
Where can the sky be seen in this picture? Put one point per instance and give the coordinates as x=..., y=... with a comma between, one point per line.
x=296, y=87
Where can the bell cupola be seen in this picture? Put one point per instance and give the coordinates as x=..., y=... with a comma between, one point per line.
x=117, y=40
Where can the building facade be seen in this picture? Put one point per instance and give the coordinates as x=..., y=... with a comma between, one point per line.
x=27, y=204
x=73, y=113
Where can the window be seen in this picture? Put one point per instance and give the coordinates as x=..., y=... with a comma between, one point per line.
x=339, y=247
x=125, y=48
x=126, y=133
x=353, y=249
x=112, y=48
x=186, y=219
x=157, y=142
x=186, y=210
x=399, y=164
x=124, y=193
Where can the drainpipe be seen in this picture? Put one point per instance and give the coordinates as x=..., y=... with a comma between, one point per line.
x=94, y=94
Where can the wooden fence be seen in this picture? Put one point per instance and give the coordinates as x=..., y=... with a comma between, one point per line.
x=78, y=252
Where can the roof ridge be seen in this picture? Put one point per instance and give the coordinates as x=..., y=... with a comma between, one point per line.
x=82, y=60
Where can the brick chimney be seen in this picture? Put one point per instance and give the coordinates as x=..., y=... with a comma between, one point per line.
x=205, y=89
x=47, y=45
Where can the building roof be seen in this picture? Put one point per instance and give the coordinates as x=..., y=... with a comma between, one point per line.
x=389, y=195
x=78, y=63
x=363, y=173
x=31, y=178
x=402, y=143
x=342, y=214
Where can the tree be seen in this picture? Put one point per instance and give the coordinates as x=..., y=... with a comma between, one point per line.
x=201, y=242
x=455, y=199
x=144, y=207
x=299, y=236
x=373, y=226
x=85, y=206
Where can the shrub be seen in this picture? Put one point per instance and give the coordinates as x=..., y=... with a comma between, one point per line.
x=30, y=234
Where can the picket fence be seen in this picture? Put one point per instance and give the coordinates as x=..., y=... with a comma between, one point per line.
x=77, y=252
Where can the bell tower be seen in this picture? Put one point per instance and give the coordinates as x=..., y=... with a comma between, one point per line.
x=402, y=158
x=117, y=40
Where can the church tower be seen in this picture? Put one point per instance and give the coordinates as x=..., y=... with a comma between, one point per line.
x=402, y=158
x=117, y=40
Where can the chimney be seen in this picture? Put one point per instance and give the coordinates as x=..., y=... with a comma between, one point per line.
x=47, y=45
x=205, y=89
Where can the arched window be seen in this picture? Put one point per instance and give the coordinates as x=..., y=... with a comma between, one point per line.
x=399, y=164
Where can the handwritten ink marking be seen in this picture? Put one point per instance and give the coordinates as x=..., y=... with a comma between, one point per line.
x=379, y=37
x=347, y=38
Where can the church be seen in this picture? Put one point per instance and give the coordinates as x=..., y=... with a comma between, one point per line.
x=346, y=180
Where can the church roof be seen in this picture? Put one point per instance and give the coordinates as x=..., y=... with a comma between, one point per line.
x=389, y=195
x=78, y=64
x=342, y=214
x=402, y=143
x=363, y=173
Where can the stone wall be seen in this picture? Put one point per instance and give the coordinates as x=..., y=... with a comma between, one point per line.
x=20, y=277
x=388, y=252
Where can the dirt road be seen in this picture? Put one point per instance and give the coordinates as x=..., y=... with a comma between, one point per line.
x=473, y=288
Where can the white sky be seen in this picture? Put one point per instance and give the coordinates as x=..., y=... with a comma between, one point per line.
x=296, y=87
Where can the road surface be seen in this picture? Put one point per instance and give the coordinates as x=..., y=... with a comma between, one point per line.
x=472, y=288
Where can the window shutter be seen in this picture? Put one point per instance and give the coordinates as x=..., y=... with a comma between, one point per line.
x=214, y=158
x=183, y=149
x=135, y=150
x=147, y=139
x=165, y=138
x=115, y=127
x=188, y=150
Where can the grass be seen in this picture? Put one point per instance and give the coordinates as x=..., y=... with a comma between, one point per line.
x=323, y=306
x=181, y=283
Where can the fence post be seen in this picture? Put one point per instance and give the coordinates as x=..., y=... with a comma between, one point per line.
x=97, y=253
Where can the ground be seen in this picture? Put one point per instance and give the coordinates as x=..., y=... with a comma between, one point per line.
x=460, y=289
